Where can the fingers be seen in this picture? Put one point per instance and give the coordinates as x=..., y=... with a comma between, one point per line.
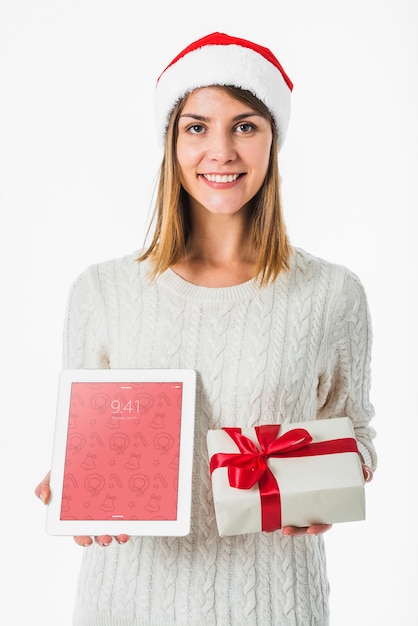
x=42, y=491
x=294, y=531
x=83, y=541
x=104, y=540
x=318, y=529
x=101, y=540
x=122, y=539
x=314, y=529
x=367, y=473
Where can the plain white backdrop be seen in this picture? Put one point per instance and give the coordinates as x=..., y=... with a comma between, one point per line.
x=78, y=161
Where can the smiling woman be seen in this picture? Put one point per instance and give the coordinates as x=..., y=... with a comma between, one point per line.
x=276, y=336
x=248, y=129
x=223, y=160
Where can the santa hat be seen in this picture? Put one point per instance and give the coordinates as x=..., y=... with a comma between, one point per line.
x=219, y=59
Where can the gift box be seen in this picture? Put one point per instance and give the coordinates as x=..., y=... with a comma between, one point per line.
x=269, y=477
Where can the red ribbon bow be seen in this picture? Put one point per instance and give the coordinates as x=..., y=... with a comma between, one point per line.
x=249, y=466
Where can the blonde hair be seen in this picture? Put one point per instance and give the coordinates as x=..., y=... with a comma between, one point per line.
x=172, y=225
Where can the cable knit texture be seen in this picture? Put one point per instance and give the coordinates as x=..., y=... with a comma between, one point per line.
x=296, y=350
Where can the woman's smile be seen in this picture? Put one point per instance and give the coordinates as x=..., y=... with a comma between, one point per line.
x=221, y=178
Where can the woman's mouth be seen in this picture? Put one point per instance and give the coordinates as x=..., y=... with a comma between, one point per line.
x=221, y=178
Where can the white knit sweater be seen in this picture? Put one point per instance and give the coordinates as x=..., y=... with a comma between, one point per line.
x=295, y=350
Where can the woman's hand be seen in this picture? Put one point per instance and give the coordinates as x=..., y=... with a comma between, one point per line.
x=315, y=529
x=43, y=492
x=367, y=473
x=102, y=540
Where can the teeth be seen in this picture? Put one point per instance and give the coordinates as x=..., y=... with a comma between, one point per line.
x=218, y=178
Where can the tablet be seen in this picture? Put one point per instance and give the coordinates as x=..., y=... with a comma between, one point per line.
x=123, y=452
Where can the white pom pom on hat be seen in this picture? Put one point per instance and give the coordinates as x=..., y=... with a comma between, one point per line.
x=219, y=59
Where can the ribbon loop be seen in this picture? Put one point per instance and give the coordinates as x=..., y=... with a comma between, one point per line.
x=247, y=468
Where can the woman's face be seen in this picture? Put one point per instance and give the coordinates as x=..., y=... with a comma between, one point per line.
x=223, y=151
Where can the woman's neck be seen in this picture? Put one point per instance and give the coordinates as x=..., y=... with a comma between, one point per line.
x=218, y=253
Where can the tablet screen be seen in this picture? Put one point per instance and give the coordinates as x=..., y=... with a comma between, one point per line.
x=117, y=452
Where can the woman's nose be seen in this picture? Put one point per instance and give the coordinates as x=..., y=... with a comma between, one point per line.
x=221, y=147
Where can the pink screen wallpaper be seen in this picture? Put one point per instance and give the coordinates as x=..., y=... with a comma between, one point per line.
x=122, y=451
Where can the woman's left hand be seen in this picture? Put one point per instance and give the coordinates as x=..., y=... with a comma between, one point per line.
x=367, y=473
x=315, y=529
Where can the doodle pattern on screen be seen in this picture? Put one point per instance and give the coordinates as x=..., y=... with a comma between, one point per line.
x=122, y=452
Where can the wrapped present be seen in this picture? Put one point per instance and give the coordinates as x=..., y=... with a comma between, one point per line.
x=268, y=477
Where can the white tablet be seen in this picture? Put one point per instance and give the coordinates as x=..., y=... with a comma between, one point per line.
x=123, y=452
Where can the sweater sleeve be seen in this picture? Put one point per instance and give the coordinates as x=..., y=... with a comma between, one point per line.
x=85, y=331
x=344, y=385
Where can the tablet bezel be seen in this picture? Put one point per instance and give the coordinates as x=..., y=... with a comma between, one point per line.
x=160, y=527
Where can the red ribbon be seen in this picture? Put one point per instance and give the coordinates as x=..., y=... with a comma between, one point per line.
x=250, y=466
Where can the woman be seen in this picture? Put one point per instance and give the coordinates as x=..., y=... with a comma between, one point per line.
x=275, y=335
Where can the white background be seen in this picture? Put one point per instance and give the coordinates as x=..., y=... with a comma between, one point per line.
x=78, y=160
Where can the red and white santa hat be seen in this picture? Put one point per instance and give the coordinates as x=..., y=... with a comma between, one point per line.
x=219, y=59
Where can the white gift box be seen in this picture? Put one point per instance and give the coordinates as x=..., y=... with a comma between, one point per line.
x=322, y=488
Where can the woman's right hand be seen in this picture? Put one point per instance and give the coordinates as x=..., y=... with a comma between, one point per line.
x=102, y=540
x=43, y=492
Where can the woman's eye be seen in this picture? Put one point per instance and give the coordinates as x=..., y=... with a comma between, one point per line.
x=196, y=129
x=245, y=127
